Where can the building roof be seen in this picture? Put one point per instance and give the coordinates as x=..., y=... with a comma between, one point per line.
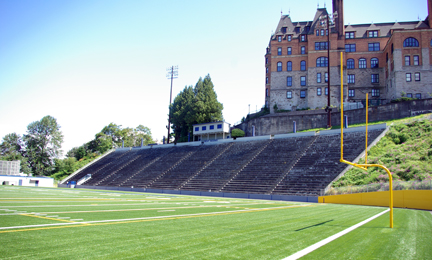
x=287, y=27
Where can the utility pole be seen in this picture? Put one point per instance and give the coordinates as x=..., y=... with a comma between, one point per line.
x=327, y=22
x=172, y=73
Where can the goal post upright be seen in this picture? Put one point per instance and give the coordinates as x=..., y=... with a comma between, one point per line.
x=366, y=165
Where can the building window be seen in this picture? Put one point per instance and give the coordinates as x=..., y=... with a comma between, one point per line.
x=289, y=38
x=351, y=78
x=416, y=60
x=322, y=62
x=297, y=29
x=196, y=129
x=408, y=77
x=409, y=95
x=375, y=92
x=321, y=46
x=374, y=46
x=302, y=93
x=289, y=94
x=279, y=66
x=350, y=64
x=289, y=51
x=418, y=95
x=350, y=47
x=410, y=42
x=407, y=60
x=307, y=29
x=322, y=32
x=373, y=34
x=267, y=69
x=289, y=81
x=318, y=77
x=417, y=76
x=219, y=126
x=326, y=91
x=374, y=63
x=387, y=57
x=303, y=37
x=362, y=63
x=303, y=65
x=351, y=92
x=279, y=38
x=326, y=77
x=349, y=35
x=204, y=128
x=266, y=60
x=303, y=50
x=266, y=80
x=375, y=78
x=267, y=92
x=317, y=33
x=303, y=81
x=279, y=51
x=211, y=127
x=289, y=66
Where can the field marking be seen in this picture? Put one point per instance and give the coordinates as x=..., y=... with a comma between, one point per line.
x=323, y=242
x=50, y=218
x=133, y=220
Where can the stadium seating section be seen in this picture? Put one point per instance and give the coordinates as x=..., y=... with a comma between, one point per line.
x=287, y=166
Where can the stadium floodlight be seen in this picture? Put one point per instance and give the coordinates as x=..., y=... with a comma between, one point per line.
x=172, y=73
x=366, y=165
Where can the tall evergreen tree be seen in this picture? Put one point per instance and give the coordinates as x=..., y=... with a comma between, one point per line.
x=194, y=106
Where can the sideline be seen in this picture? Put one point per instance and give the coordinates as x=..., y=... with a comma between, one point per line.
x=317, y=245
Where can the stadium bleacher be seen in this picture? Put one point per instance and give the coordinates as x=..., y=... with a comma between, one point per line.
x=295, y=165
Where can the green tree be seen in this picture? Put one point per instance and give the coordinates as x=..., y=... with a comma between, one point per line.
x=43, y=142
x=12, y=148
x=194, y=106
x=237, y=133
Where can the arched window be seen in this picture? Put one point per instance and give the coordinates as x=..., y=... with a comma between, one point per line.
x=350, y=64
x=410, y=42
x=289, y=66
x=322, y=62
x=303, y=65
x=279, y=66
x=362, y=63
x=374, y=63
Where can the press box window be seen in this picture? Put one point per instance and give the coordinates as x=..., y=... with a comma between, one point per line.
x=196, y=129
x=211, y=127
x=219, y=126
x=204, y=128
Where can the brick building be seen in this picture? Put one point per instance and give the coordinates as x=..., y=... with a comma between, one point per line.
x=386, y=60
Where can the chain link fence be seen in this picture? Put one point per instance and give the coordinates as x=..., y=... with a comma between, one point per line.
x=373, y=187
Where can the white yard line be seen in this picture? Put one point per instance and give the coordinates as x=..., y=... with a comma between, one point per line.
x=145, y=218
x=329, y=239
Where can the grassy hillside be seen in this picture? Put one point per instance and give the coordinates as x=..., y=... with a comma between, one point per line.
x=406, y=150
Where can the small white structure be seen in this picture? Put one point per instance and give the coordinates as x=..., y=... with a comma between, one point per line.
x=211, y=131
x=10, y=167
x=26, y=181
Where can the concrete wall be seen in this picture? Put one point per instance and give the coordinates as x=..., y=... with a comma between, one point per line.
x=282, y=123
x=204, y=193
x=413, y=199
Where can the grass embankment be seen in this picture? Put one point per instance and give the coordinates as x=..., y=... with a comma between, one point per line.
x=406, y=150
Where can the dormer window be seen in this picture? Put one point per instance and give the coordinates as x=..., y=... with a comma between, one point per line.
x=297, y=30
x=279, y=38
x=289, y=38
x=284, y=29
x=303, y=37
x=373, y=34
x=307, y=29
x=349, y=35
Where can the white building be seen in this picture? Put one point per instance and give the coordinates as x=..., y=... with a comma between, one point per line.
x=26, y=181
x=10, y=167
x=211, y=131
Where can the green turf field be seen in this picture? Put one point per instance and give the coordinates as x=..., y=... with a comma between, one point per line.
x=41, y=223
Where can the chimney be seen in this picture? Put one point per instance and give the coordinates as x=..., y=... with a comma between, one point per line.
x=339, y=21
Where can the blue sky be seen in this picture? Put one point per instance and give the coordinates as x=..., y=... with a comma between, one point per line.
x=89, y=63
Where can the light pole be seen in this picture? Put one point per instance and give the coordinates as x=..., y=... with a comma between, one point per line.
x=172, y=73
x=327, y=22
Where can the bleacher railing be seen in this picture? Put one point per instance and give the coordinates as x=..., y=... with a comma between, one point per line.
x=373, y=187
